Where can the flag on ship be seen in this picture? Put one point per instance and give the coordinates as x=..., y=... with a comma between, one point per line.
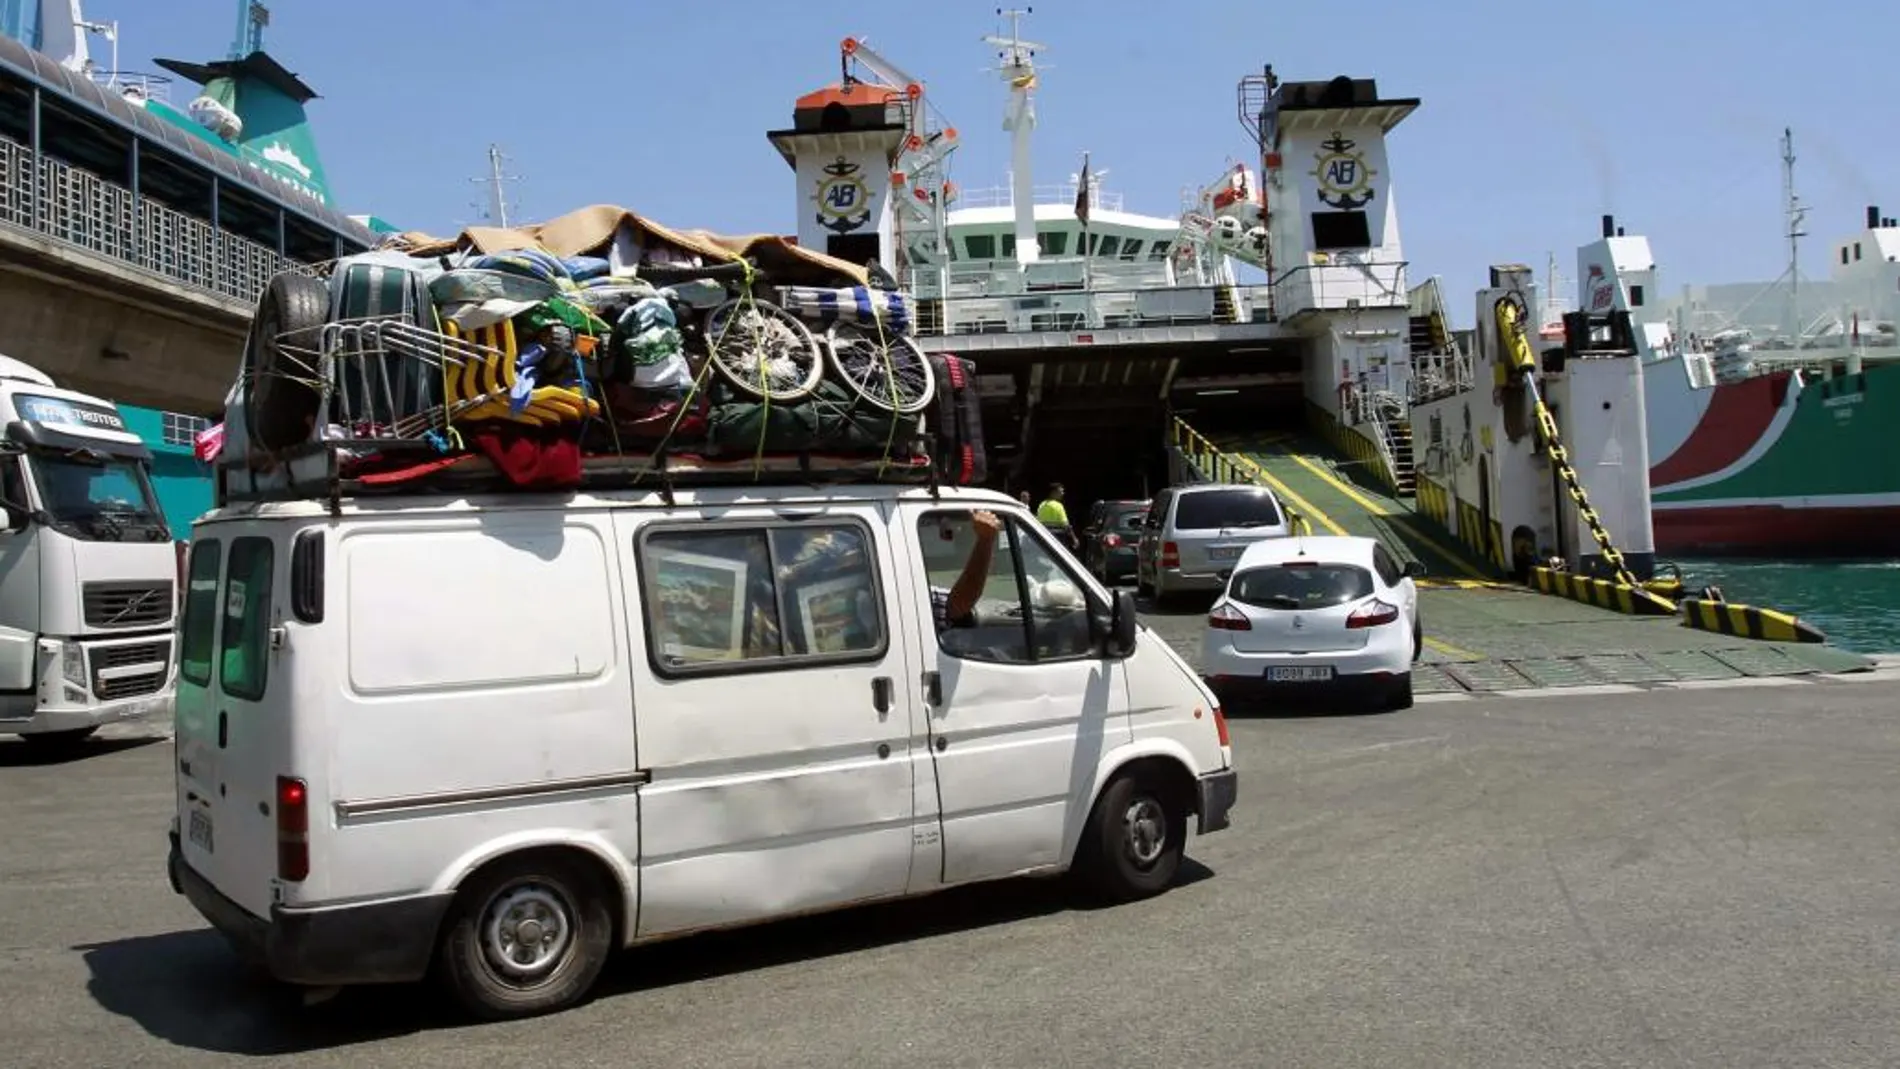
x=1082, y=193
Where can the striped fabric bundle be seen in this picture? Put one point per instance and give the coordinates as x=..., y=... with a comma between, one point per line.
x=855, y=304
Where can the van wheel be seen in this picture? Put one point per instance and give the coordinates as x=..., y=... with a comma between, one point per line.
x=527, y=936
x=1132, y=846
x=58, y=742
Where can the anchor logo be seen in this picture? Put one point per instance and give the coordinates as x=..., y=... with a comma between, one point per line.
x=844, y=201
x=1345, y=182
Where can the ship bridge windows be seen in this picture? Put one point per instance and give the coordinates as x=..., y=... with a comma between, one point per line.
x=1053, y=242
x=1341, y=230
x=981, y=246
x=16, y=111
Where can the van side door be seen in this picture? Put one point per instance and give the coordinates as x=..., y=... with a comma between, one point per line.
x=1022, y=701
x=769, y=712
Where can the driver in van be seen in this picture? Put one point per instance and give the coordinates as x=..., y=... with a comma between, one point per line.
x=956, y=607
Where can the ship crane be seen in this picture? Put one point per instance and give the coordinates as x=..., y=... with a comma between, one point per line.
x=920, y=173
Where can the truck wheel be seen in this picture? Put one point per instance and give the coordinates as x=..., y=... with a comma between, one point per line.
x=280, y=361
x=58, y=742
x=1132, y=845
x=526, y=936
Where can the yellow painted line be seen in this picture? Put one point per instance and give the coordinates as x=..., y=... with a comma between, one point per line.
x=1376, y=509
x=1450, y=650
x=1306, y=508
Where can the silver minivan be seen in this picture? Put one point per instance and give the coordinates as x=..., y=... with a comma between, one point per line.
x=1194, y=534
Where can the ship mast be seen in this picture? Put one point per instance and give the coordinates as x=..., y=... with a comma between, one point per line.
x=1019, y=71
x=1796, y=212
x=497, y=207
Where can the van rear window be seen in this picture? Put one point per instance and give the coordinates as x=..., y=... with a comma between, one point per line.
x=247, y=601
x=200, y=630
x=1239, y=507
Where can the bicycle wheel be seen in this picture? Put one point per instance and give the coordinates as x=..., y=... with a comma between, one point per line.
x=889, y=372
x=763, y=350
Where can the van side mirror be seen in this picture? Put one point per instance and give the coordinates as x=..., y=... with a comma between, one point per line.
x=1122, y=623
x=17, y=518
x=1413, y=569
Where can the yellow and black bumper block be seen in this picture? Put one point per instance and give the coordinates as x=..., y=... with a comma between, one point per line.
x=1747, y=621
x=1603, y=593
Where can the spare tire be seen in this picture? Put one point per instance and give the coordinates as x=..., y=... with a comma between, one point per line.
x=284, y=401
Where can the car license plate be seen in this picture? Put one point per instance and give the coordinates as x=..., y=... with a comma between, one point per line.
x=1224, y=553
x=1313, y=673
x=199, y=829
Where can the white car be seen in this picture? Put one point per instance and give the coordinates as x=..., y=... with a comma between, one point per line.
x=1327, y=614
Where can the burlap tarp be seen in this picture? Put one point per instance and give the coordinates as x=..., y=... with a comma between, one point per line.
x=590, y=232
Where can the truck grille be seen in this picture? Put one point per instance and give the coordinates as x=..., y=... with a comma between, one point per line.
x=127, y=604
x=155, y=657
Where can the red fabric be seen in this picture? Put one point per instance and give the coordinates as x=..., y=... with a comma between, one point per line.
x=531, y=458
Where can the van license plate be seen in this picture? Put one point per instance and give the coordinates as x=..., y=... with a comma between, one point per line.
x=1224, y=553
x=199, y=829
x=1316, y=673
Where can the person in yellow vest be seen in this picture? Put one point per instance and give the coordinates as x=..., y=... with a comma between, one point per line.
x=1055, y=516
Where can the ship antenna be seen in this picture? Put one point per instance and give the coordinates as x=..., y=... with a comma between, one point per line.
x=496, y=210
x=252, y=17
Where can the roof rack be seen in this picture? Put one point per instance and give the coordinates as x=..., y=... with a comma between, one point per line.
x=324, y=470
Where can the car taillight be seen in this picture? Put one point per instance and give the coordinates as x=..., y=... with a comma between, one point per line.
x=1220, y=727
x=1112, y=540
x=1170, y=555
x=1227, y=618
x=293, y=829
x=1372, y=614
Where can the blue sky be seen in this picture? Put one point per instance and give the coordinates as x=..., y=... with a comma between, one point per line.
x=1534, y=120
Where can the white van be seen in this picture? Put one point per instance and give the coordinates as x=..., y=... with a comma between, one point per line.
x=496, y=737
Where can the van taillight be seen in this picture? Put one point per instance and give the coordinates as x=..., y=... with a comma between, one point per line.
x=293, y=829
x=1170, y=555
x=1112, y=540
x=1220, y=727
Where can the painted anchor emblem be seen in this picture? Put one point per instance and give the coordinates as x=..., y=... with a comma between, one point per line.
x=1345, y=182
x=844, y=201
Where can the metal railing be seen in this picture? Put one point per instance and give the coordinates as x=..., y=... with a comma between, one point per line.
x=1061, y=311
x=82, y=210
x=1005, y=197
x=1341, y=287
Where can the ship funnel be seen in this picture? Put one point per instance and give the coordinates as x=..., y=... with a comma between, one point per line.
x=1873, y=217
x=1609, y=226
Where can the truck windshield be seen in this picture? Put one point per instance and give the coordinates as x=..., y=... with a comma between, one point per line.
x=98, y=497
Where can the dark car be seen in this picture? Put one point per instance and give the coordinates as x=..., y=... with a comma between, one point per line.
x=1109, y=539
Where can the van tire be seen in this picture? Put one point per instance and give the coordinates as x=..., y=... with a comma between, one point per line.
x=545, y=886
x=282, y=403
x=1119, y=858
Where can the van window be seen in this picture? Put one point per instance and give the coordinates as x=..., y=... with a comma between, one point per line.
x=247, y=601
x=200, y=627
x=1239, y=507
x=759, y=597
x=1030, y=608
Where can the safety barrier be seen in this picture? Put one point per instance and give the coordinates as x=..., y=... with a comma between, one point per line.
x=1747, y=621
x=1627, y=598
x=1220, y=466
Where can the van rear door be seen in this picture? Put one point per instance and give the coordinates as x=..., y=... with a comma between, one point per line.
x=226, y=745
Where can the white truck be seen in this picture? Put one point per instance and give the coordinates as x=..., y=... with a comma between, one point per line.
x=88, y=568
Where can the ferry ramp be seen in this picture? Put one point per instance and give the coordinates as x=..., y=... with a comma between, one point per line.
x=1483, y=634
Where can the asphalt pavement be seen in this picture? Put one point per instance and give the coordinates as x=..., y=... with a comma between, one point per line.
x=1678, y=877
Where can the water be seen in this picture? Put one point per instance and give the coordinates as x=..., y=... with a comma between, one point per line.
x=1856, y=603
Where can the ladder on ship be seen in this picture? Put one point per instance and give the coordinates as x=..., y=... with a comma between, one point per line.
x=1522, y=363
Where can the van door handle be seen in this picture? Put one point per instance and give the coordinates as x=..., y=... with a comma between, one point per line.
x=881, y=694
x=224, y=729
x=933, y=688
